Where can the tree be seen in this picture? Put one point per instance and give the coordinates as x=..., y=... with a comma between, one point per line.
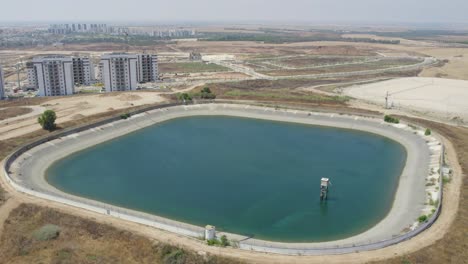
x=428, y=132
x=206, y=90
x=391, y=119
x=224, y=241
x=184, y=97
x=207, y=94
x=47, y=120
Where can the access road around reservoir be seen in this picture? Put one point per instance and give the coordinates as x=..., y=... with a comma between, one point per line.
x=27, y=174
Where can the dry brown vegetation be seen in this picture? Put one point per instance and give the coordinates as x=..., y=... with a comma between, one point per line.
x=25, y=101
x=13, y=112
x=84, y=241
x=383, y=64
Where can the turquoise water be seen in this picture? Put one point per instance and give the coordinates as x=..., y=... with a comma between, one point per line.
x=245, y=176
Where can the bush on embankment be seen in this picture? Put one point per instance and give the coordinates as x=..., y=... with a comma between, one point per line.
x=391, y=119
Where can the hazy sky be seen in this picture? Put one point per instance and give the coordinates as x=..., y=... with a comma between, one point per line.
x=236, y=10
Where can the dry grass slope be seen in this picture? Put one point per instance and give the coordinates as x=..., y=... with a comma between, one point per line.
x=84, y=241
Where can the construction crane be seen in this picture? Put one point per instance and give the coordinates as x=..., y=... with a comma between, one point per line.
x=18, y=67
x=126, y=42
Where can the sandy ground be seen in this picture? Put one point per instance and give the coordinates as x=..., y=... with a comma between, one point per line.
x=36, y=110
x=437, y=97
x=450, y=204
x=75, y=107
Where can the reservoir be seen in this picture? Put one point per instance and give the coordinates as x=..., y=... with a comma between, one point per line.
x=246, y=176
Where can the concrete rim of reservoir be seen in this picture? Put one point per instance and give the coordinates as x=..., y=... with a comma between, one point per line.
x=25, y=171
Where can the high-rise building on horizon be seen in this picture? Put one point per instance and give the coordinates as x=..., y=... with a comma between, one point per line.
x=119, y=72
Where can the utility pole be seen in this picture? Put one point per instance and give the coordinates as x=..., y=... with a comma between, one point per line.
x=386, y=100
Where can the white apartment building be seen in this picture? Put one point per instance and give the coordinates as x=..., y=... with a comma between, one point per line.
x=54, y=75
x=147, y=69
x=119, y=71
x=83, y=71
x=2, y=84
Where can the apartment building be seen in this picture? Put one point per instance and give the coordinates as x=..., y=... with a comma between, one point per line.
x=147, y=68
x=83, y=71
x=2, y=84
x=119, y=71
x=32, y=75
x=53, y=74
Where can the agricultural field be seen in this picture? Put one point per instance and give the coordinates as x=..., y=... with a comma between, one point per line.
x=344, y=67
x=191, y=67
x=304, y=62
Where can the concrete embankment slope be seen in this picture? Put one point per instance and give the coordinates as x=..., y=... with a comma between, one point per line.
x=27, y=174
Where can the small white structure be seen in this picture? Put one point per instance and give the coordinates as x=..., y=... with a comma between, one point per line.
x=324, y=188
x=210, y=232
x=324, y=182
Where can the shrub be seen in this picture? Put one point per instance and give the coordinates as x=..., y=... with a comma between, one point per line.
x=47, y=232
x=391, y=119
x=125, y=116
x=446, y=179
x=47, y=120
x=428, y=132
x=175, y=257
x=207, y=94
x=224, y=241
x=422, y=218
x=184, y=97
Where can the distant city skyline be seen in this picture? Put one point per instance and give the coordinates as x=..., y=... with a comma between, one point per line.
x=292, y=11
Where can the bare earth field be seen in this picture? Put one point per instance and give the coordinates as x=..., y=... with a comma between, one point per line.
x=6, y=113
x=189, y=67
x=77, y=107
x=443, y=98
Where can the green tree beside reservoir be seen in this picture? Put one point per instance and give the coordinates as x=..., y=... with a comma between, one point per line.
x=207, y=94
x=185, y=97
x=391, y=119
x=47, y=120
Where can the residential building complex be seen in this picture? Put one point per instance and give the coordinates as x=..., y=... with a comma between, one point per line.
x=147, y=69
x=83, y=71
x=32, y=75
x=54, y=75
x=119, y=71
x=77, y=28
x=2, y=84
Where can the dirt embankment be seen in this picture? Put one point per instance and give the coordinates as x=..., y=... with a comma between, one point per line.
x=84, y=241
x=452, y=248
